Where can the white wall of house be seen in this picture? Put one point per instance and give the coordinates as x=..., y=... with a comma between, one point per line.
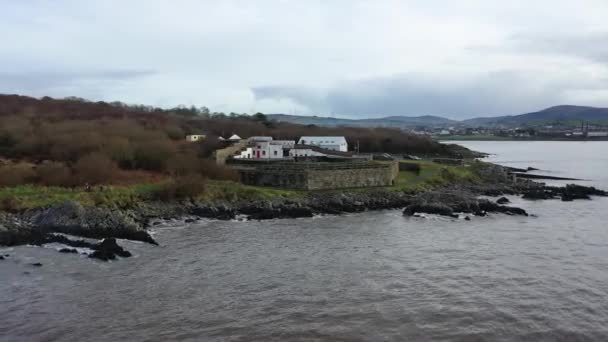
x=267, y=150
x=246, y=154
x=329, y=143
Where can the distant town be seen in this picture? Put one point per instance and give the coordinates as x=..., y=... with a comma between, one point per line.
x=585, y=131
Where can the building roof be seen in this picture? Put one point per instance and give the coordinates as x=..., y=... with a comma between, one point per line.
x=259, y=138
x=322, y=150
x=234, y=137
x=321, y=139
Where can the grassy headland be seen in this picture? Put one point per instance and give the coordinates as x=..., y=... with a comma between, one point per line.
x=29, y=196
x=52, y=150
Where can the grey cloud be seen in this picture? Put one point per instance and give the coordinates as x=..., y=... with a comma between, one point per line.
x=498, y=93
x=312, y=98
x=52, y=82
x=591, y=46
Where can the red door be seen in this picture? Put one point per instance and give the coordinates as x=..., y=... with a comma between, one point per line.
x=257, y=154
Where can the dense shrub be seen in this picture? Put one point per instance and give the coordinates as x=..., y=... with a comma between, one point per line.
x=16, y=174
x=10, y=204
x=54, y=174
x=95, y=168
x=153, y=155
x=189, y=186
x=213, y=171
x=184, y=164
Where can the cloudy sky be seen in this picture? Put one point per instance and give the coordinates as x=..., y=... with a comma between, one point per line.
x=343, y=58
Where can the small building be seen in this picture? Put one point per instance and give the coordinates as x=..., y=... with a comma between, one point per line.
x=234, y=138
x=329, y=143
x=195, y=137
x=267, y=150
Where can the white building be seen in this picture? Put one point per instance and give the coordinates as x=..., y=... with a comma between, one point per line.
x=329, y=143
x=194, y=137
x=267, y=150
x=234, y=137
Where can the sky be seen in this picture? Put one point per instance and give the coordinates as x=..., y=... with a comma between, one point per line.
x=340, y=58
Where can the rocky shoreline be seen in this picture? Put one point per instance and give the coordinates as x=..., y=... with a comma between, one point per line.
x=44, y=225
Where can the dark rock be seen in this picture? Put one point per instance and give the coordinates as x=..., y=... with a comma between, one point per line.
x=467, y=218
x=68, y=250
x=220, y=213
x=108, y=249
x=1, y=257
x=189, y=220
x=432, y=208
x=503, y=200
x=37, y=264
x=538, y=194
x=93, y=222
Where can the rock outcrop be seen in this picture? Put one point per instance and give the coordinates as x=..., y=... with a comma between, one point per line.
x=93, y=222
x=450, y=203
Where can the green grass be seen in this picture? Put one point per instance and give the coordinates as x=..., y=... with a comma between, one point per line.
x=431, y=175
x=34, y=196
x=232, y=191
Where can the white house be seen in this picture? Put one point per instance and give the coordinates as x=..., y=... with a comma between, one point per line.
x=194, y=137
x=329, y=143
x=267, y=150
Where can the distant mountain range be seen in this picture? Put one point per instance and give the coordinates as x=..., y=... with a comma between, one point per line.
x=389, y=121
x=564, y=114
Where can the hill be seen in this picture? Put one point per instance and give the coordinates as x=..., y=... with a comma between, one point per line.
x=390, y=121
x=564, y=114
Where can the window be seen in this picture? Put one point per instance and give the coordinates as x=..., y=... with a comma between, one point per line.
x=275, y=153
x=263, y=153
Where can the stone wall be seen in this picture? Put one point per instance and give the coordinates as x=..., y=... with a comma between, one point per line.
x=320, y=176
x=353, y=178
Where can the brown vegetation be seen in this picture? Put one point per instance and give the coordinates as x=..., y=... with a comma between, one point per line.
x=73, y=141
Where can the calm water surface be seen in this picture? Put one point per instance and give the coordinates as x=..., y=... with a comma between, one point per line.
x=364, y=277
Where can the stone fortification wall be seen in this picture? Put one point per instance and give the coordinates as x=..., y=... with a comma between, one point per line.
x=320, y=176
